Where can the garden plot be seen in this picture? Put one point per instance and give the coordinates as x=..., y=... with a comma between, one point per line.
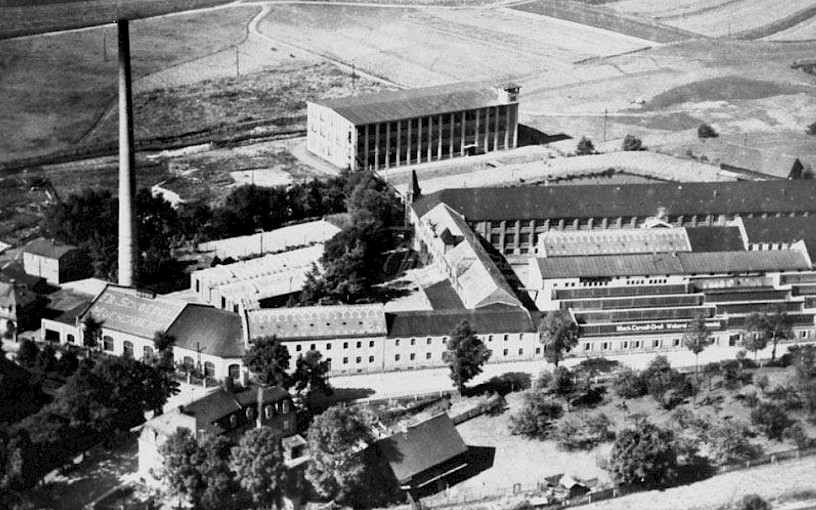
x=416, y=47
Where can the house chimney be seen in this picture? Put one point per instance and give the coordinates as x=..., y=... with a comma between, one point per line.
x=259, y=419
x=127, y=176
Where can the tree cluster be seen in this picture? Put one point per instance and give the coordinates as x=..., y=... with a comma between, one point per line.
x=354, y=260
x=583, y=431
x=537, y=415
x=344, y=465
x=668, y=386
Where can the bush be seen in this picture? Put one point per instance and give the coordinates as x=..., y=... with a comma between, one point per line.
x=583, y=432
x=811, y=129
x=706, y=131
x=786, y=396
x=668, y=386
x=535, y=419
x=585, y=147
x=632, y=143
x=752, y=502
x=628, y=384
x=796, y=434
x=732, y=374
x=770, y=419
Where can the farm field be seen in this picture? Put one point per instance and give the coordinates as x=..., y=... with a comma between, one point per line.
x=54, y=88
x=715, y=18
x=21, y=17
x=421, y=47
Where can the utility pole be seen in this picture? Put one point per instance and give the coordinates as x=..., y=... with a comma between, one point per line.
x=104, y=45
x=353, y=79
x=606, y=111
x=237, y=62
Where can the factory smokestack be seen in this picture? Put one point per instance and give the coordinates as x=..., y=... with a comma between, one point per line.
x=127, y=175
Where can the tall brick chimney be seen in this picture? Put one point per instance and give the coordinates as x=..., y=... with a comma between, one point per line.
x=127, y=175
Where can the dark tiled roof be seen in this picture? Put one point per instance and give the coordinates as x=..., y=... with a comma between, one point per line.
x=412, y=103
x=715, y=239
x=14, y=271
x=214, y=332
x=214, y=406
x=740, y=158
x=71, y=315
x=422, y=447
x=626, y=200
x=782, y=230
x=48, y=248
x=442, y=322
x=681, y=263
x=443, y=297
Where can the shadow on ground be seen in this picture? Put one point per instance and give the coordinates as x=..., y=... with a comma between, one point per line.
x=531, y=136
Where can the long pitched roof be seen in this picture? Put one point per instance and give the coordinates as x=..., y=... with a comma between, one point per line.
x=422, y=447
x=681, y=263
x=208, y=330
x=782, y=230
x=135, y=312
x=565, y=243
x=412, y=103
x=315, y=322
x=625, y=200
x=442, y=322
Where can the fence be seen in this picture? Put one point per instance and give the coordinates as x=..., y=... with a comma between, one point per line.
x=496, y=401
x=531, y=492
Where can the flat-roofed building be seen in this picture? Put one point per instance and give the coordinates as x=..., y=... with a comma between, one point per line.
x=406, y=127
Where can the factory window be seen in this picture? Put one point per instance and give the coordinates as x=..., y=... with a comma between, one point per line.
x=371, y=343
x=489, y=338
x=538, y=350
x=506, y=337
x=396, y=357
x=233, y=419
x=413, y=356
x=147, y=352
x=803, y=334
x=427, y=355
x=677, y=342
x=71, y=339
x=345, y=345
x=298, y=347
x=188, y=362
x=428, y=341
x=521, y=352
x=328, y=346
x=636, y=345
x=127, y=349
x=371, y=359
x=655, y=343
x=107, y=343
x=345, y=361
x=444, y=339
x=396, y=342
x=625, y=345
x=733, y=339
x=209, y=369
x=250, y=413
x=268, y=412
x=359, y=344
x=604, y=346
x=223, y=302
x=504, y=352
x=312, y=347
x=234, y=371
x=358, y=360
x=413, y=341
x=586, y=346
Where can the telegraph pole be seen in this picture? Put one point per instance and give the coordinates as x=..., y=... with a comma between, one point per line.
x=606, y=111
x=237, y=62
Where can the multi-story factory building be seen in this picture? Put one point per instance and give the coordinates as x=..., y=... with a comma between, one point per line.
x=392, y=129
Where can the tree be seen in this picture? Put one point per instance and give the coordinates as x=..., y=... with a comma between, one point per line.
x=465, y=354
x=162, y=341
x=268, y=359
x=46, y=360
x=536, y=416
x=643, y=455
x=628, y=383
x=585, y=147
x=632, y=143
x=728, y=443
x=706, y=131
x=583, y=431
x=697, y=337
x=199, y=471
x=258, y=465
x=711, y=370
x=757, y=332
x=164, y=366
x=312, y=373
x=569, y=385
x=91, y=332
x=27, y=354
x=67, y=363
x=781, y=328
x=559, y=335
x=811, y=129
x=336, y=438
x=770, y=419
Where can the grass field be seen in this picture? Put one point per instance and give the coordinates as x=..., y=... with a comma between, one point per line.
x=54, y=88
x=715, y=18
x=416, y=47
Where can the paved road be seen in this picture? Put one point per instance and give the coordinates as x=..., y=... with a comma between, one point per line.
x=408, y=382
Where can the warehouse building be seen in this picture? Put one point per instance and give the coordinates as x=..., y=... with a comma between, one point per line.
x=397, y=128
x=274, y=241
